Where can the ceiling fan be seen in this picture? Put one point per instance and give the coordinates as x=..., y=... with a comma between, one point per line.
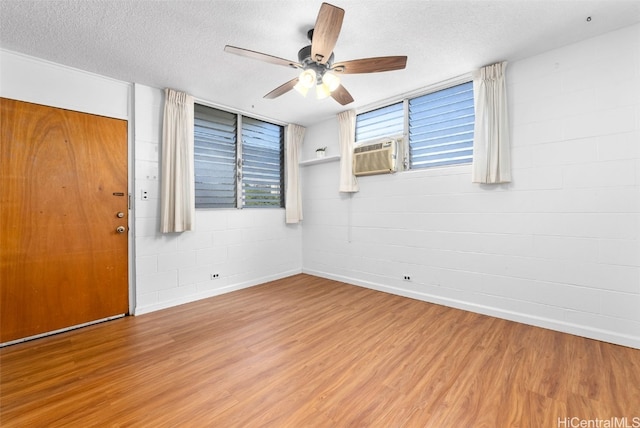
x=316, y=61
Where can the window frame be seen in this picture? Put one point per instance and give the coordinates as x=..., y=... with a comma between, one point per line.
x=444, y=133
x=404, y=138
x=244, y=168
x=239, y=188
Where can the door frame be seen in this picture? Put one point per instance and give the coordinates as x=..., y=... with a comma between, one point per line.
x=130, y=223
x=131, y=203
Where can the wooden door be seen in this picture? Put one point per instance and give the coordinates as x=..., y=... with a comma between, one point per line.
x=63, y=181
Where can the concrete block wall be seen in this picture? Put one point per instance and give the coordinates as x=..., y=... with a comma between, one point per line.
x=243, y=247
x=559, y=247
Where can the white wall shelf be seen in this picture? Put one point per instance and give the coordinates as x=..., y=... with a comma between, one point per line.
x=320, y=160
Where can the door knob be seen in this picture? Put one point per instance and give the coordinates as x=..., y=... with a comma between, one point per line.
x=120, y=229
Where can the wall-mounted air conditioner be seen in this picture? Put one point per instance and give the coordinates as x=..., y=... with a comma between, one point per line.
x=377, y=157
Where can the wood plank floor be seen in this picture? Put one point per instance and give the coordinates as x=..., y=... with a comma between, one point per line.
x=309, y=352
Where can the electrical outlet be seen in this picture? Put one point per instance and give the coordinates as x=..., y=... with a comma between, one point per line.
x=144, y=195
x=215, y=275
x=407, y=278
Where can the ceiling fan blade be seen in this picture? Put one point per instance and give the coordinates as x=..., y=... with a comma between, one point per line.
x=371, y=65
x=282, y=89
x=341, y=95
x=261, y=56
x=326, y=32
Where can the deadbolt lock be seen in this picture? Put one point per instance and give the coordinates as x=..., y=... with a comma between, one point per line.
x=120, y=229
x=120, y=214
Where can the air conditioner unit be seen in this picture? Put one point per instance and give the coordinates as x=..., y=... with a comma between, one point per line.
x=377, y=157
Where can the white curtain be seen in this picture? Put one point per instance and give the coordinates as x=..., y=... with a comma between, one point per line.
x=347, y=130
x=177, y=193
x=293, y=137
x=491, y=151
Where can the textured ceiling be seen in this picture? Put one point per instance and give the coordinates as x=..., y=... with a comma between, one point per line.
x=179, y=44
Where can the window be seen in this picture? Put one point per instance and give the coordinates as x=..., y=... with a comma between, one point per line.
x=262, y=163
x=215, y=157
x=239, y=161
x=440, y=126
x=384, y=122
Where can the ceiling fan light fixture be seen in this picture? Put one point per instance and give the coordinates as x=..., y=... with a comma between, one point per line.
x=322, y=91
x=307, y=78
x=302, y=90
x=316, y=60
x=331, y=80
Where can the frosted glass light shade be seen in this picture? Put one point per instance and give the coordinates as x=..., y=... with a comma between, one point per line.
x=307, y=78
x=331, y=80
x=302, y=90
x=322, y=91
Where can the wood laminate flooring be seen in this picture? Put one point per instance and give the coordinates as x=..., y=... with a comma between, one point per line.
x=310, y=352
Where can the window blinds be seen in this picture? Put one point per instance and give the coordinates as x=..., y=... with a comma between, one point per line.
x=441, y=127
x=262, y=161
x=383, y=122
x=215, y=157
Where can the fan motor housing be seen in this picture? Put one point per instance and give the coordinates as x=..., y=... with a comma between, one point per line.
x=304, y=58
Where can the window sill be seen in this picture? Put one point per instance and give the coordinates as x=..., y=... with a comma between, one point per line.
x=320, y=160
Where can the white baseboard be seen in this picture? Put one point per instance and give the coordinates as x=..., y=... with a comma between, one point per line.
x=548, y=323
x=211, y=293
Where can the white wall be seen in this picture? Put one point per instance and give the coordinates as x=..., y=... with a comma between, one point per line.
x=245, y=247
x=559, y=247
x=36, y=81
